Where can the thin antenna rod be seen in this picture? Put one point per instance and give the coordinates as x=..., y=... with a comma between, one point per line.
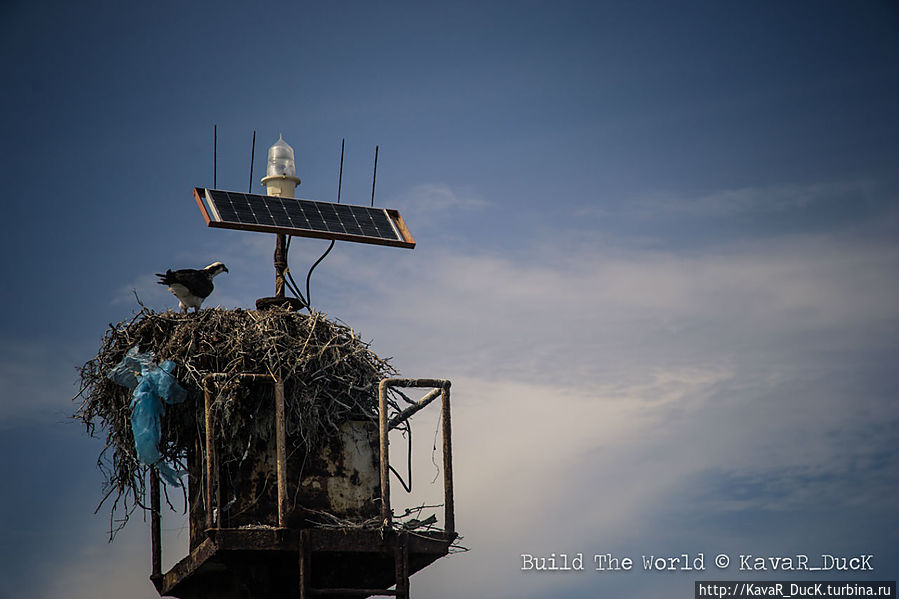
x=215, y=145
x=374, y=177
x=252, y=153
x=340, y=174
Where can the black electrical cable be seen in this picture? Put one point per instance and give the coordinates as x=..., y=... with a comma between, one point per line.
x=295, y=289
x=408, y=487
x=289, y=282
x=317, y=262
x=330, y=245
x=290, y=286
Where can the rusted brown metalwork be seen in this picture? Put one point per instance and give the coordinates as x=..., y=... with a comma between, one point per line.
x=386, y=513
x=155, y=526
x=243, y=551
x=449, y=502
x=280, y=264
x=228, y=554
x=305, y=557
x=210, y=452
x=281, y=445
x=401, y=558
x=331, y=592
x=210, y=443
x=444, y=391
x=413, y=409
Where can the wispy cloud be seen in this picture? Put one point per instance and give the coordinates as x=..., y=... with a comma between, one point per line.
x=428, y=202
x=644, y=379
x=600, y=392
x=730, y=202
x=771, y=201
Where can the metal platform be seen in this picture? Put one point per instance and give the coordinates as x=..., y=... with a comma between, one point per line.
x=256, y=562
x=274, y=562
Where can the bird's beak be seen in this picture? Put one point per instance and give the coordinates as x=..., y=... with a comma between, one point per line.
x=226, y=269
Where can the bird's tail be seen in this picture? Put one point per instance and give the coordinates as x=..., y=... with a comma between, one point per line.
x=167, y=278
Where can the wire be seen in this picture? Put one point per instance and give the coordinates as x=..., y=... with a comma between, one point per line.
x=330, y=245
x=317, y=262
x=294, y=288
x=290, y=283
x=408, y=487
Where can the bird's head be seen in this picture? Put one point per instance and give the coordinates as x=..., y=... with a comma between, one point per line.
x=216, y=268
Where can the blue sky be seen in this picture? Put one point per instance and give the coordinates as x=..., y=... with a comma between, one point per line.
x=657, y=256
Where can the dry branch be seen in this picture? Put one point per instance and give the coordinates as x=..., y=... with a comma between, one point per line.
x=330, y=376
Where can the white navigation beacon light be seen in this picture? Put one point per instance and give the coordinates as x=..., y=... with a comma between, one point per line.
x=281, y=171
x=280, y=212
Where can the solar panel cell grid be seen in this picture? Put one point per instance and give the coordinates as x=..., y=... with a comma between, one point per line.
x=310, y=218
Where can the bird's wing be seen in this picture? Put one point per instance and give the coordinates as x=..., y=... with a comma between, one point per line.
x=196, y=282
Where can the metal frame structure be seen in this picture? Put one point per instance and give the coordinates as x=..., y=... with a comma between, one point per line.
x=442, y=388
x=405, y=240
x=423, y=547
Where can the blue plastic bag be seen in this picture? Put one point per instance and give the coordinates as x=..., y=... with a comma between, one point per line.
x=154, y=386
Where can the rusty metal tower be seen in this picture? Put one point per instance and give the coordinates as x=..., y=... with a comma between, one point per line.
x=258, y=543
x=243, y=557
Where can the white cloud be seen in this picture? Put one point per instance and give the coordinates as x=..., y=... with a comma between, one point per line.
x=600, y=313
x=430, y=203
x=731, y=202
x=592, y=388
x=97, y=568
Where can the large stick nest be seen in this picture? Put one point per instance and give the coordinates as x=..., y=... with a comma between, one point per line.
x=330, y=376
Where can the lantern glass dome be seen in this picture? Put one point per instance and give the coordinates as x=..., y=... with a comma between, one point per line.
x=281, y=160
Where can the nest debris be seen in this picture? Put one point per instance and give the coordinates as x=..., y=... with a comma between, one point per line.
x=330, y=376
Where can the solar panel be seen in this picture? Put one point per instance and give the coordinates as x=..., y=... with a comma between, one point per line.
x=303, y=218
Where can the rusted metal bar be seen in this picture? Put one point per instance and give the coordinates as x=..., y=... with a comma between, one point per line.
x=210, y=452
x=386, y=514
x=211, y=467
x=414, y=408
x=280, y=263
x=444, y=390
x=305, y=572
x=354, y=592
x=402, y=565
x=281, y=448
x=420, y=383
x=155, y=534
x=449, y=514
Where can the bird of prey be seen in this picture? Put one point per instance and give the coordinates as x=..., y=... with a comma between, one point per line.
x=191, y=286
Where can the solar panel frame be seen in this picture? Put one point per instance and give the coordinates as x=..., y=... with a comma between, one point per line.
x=323, y=220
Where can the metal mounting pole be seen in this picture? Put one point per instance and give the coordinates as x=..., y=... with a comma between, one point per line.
x=386, y=514
x=401, y=565
x=281, y=449
x=280, y=264
x=210, y=454
x=155, y=534
x=449, y=508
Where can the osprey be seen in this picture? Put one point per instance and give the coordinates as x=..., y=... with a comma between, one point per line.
x=191, y=286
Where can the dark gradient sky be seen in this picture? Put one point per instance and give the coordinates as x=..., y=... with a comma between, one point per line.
x=661, y=237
